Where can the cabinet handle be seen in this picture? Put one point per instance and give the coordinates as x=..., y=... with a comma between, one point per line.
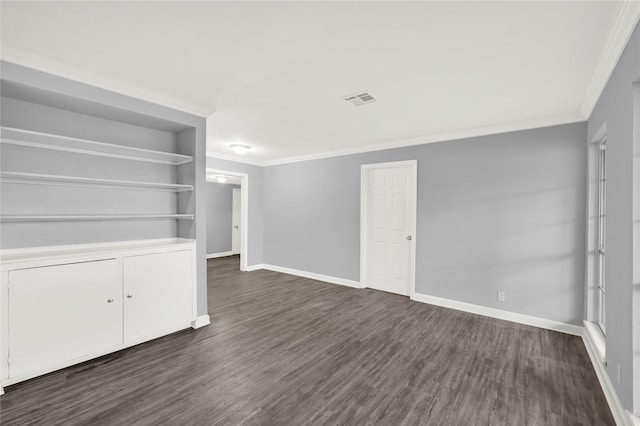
x=129, y=296
x=109, y=300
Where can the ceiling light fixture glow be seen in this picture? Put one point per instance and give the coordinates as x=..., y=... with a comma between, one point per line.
x=240, y=149
x=222, y=179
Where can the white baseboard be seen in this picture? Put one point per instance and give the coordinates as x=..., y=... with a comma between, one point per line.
x=314, y=276
x=220, y=254
x=620, y=415
x=255, y=267
x=499, y=313
x=201, y=321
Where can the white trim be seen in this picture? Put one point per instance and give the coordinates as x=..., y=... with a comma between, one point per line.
x=255, y=267
x=364, y=179
x=220, y=254
x=244, y=211
x=562, y=327
x=313, y=276
x=442, y=137
x=621, y=416
x=597, y=339
x=50, y=66
x=233, y=213
x=555, y=120
x=635, y=319
x=234, y=158
x=201, y=321
x=626, y=19
x=635, y=421
x=591, y=225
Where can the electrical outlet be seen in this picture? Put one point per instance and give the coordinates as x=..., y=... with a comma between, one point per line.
x=501, y=296
x=619, y=375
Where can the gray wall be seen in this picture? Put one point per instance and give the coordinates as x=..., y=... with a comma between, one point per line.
x=255, y=207
x=496, y=212
x=615, y=109
x=219, y=216
x=90, y=112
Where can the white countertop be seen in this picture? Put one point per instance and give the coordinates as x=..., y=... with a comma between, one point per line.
x=102, y=249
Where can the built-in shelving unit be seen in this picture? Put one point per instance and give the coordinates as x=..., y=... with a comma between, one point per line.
x=44, y=179
x=89, y=217
x=99, y=221
x=41, y=142
x=21, y=137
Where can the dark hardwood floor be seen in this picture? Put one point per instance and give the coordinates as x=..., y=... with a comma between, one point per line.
x=283, y=350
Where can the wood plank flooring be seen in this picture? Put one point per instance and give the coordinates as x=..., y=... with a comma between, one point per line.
x=284, y=350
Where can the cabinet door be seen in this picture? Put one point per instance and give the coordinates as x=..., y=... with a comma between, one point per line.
x=60, y=313
x=157, y=290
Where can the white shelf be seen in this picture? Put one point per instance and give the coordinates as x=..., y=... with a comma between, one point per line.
x=20, y=137
x=106, y=217
x=42, y=179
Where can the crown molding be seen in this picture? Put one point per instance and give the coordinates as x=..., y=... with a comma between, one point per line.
x=234, y=158
x=625, y=22
x=52, y=66
x=442, y=137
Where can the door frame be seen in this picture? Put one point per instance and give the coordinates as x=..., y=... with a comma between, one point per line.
x=244, y=210
x=364, y=238
x=636, y=249
x=233, y=212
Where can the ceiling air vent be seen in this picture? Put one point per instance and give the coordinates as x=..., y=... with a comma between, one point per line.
x=360, y=98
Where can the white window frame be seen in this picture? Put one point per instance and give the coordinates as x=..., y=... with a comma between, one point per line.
x=601, y=291
x=592, y=283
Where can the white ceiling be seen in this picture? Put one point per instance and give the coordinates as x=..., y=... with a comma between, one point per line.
x=275, y=72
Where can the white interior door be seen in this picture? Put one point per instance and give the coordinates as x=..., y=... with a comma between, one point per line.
x=235, y=222
x=389, y=219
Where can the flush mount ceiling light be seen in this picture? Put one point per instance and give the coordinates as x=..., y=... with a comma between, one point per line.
x=240, y=149
x=221, y=178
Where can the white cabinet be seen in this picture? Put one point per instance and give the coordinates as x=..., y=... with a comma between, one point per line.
x=157, y=297
x=63, y=312
x=64, y=305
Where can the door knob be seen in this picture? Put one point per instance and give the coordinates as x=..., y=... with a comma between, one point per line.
x=236, y=227
x=109, y=300
x=408, y=237
x=129, y=296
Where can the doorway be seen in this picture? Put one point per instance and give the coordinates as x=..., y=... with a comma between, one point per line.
x=387, y=226
x=239, y=211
